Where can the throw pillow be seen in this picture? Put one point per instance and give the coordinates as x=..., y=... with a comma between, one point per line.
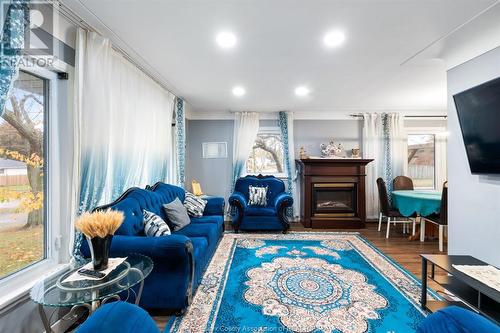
x=177, y=214
x=154, y=226
x=257, y=195
x=195, y=206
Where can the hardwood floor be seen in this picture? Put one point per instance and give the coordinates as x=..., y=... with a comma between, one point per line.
x=398, y=247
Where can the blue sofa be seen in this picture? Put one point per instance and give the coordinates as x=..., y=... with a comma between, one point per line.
x=179, y=259
x=270, y=217
x=121, y=317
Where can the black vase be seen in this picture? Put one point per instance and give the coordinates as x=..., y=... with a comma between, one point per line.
x=99, y=250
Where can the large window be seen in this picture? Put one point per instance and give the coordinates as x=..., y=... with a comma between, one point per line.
x=267, y=154
x=422, y=160
x=22, y=180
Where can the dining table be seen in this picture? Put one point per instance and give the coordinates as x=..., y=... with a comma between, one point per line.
x=417, y=202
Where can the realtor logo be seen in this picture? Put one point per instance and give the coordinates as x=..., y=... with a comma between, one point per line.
x=28, y=28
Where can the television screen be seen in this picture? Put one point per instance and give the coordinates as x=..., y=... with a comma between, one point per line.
x=479, y=114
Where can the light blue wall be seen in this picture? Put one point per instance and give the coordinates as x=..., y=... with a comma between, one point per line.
x=311, y=133
x=215, y=174
x=474, y=200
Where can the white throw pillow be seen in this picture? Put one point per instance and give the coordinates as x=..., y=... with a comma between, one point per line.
x=257, y=195
x=154, y=226
x=195, y=206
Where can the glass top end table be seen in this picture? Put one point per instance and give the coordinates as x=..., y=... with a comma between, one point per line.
x=90, y=294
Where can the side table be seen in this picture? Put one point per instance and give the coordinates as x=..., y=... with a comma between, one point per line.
x=470, y=292
x=90, y=294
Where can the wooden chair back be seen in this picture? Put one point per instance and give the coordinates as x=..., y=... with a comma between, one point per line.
x=401, y=183
x=443, y=211
x=383, y=197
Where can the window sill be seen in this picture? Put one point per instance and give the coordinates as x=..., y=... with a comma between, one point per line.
x=15, y=288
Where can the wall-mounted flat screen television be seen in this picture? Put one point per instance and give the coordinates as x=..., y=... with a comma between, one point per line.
x=478, y=111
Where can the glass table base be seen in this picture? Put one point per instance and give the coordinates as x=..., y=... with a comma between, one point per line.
x=72, y=315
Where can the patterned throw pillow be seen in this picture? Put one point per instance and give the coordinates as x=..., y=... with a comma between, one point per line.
x=257, y=195
x=154, y=226
x=195, y=206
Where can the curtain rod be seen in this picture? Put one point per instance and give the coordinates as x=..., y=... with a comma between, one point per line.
x=260, y=112
x=358, y=115
x=77, y=20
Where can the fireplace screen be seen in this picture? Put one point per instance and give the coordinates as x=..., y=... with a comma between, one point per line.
x=335, y=198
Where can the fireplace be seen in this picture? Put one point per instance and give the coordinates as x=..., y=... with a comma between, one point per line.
x=333, y=192
x=334, y=199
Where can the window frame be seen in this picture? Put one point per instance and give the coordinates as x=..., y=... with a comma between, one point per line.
x=269, y=130
x=16, y=285
x=436, y=132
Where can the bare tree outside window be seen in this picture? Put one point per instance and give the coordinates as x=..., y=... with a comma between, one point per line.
x=267, y=155
x=22, y=180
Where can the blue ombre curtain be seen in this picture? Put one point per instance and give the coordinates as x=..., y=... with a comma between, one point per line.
x=285, y=122
x=386, y=150
x=125, y=125
x=246, y=128
x=395, y=148
x=180, y=142
x=15, y=27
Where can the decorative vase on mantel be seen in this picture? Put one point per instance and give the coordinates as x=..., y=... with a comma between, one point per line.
x=99, y=251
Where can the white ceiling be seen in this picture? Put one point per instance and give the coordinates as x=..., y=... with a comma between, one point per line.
x=280, y=46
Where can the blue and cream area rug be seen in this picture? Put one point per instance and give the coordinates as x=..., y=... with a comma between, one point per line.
x=303, y=282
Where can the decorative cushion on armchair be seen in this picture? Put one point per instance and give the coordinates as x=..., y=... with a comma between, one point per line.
x=271, y=216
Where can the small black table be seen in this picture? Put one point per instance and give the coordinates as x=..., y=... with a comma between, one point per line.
x=471, y=292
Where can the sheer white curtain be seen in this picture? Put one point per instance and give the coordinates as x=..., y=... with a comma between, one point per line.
x=246, y=128
x=126, y=130
x=372, y=148
x=385, y=140
x=74, y=124
x=122, y=127
x=398, y=145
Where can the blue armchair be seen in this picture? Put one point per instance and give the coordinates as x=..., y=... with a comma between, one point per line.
x=270, y=217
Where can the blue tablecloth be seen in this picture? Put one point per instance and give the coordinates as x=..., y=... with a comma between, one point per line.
x=423, y=203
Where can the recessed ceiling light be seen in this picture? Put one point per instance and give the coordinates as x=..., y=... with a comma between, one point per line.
x=334, y=38
x=239, y=91
x=226, y=40
x=302, y=91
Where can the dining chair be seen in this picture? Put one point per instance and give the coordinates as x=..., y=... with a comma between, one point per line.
x=387, y=211
x=441, y=219
x=402, y=183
